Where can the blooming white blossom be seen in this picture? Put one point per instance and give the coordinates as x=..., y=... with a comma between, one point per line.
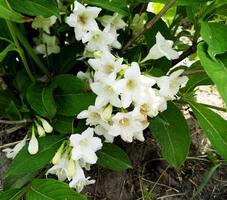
x=106, y=93
x=103, y=130
x=12, y=152
x=128, y=125
x=93, y=115
x=48, y=46
x=170, y=85
x=162, y=48
x=98, y=40
x=105, y=66
x=33, y=145
x=44, y=23
x=83, y=19
x=130, y=86
x=85, y=145
x=150, y=102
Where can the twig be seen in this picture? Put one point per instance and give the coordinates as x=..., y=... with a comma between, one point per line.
x=149, y=24
x=171, y=195
x=10, y=130
x=24, y=121
x=192, y=49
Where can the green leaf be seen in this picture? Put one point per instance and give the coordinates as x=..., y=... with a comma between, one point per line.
x=215, y=69
x=50, y=189
x=119, y=6
x=10, y=47
x=41, y=99
x=114, y=158
x=171, y=130
x=213, y=126
x=70, y=95
x=214, y=34
x=25, y=163
x=7, y=13
x=64, y=124
x=45, y=8
x=10, y=194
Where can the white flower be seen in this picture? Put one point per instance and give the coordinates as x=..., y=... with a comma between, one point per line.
x=150, y=102
x=60, y=168
x=130, y=86
x=79, y=180
x=103, y=130
x=105, y=66
x=128, y=125
x=170, y=85
x=33, y=145
x=98, y=40
x=47, y=127
x=83, y=19
x=93, y=115
x=44, y=23
x=11, y=153
x=162, y=48
x=85, y=146
x=114, y=22
x=48, y=46
x=106, y=93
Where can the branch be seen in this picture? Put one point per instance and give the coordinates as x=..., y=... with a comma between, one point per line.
x=10, y=130
x=149, y=24
x=24, y=121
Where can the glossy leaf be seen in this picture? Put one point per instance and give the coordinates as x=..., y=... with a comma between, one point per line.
x=10, y=194
x=171, y=130
x=45, y=8
x=215, y=69
x=213, y=125
x=114, y=158
x=50, y=189
x=7, y=13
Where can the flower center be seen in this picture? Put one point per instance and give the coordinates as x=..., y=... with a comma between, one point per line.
x=108, y=68
x=131, y=84
x=82, y=19
x=124, y=122
x=144, y=109
x=95, y=116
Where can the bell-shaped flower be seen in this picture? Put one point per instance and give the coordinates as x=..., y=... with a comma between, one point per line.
x=93, y=115
x=103, y=130
x=170, y=85
x=105, y=66
x=162, y=48
x=130, y=86
x=83, y=19
x=113, y=21
x=128, y=125
x=33, y=145
x=12, y=152
x=150, y=102
x=44, y=23
x=49, y=45
x=79, y=180
x=85, y=145
x=98, y=40
x=106, y=93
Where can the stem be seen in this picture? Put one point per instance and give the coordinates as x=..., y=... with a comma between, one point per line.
x=31, y=52
x=13, y=32
x=24, y=121
x=10, y=130
x=149, y=24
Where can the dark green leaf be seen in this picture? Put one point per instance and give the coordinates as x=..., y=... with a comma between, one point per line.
x=41, y=99
x=215, y=69
x=119, y=6
x=64, y=124
x=7, y=13
x=25, y=163
x=214, y=34
x=50, y=189
x=10, y=194
x=171, y=130
x=114, y=158
x=213, y=126
x=45, y=8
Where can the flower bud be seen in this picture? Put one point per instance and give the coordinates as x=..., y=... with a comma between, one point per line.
x=40, y=130
x=71, y=168
x=33, y=145
x=107, y=112
x=47, y=127
x=58, y=154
